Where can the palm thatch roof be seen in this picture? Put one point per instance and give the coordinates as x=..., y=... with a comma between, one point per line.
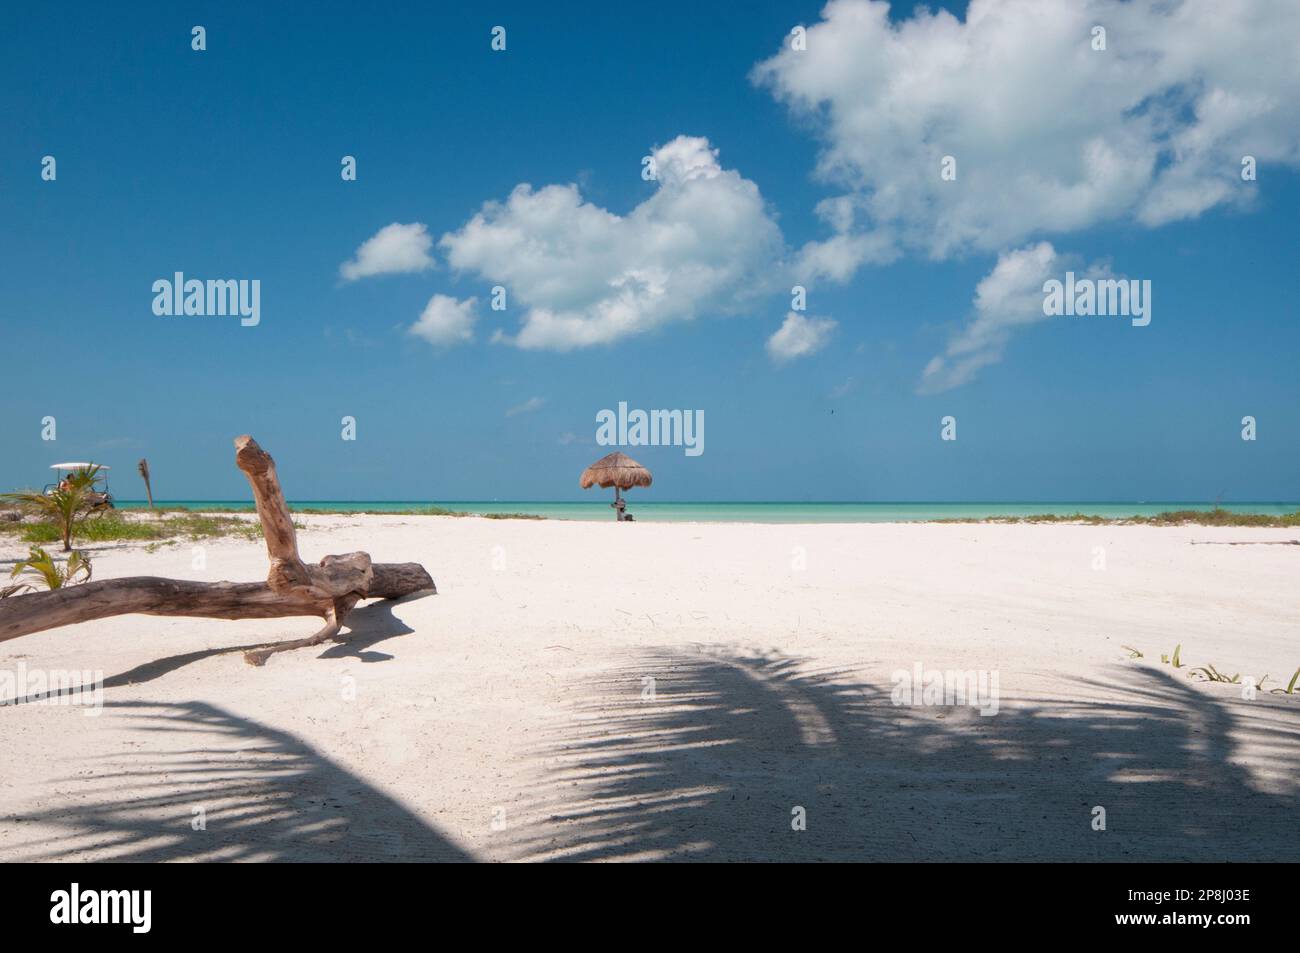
x=617, y=469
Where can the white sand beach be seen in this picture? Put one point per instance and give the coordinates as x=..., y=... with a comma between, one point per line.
x=597, y=691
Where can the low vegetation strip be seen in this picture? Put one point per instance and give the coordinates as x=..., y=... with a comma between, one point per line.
x=158, y=525
x=113, y=526
x=1215, y=517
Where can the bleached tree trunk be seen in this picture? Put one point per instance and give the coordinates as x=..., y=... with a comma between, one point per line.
x=328, y=589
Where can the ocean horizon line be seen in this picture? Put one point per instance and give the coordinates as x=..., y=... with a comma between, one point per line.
x=592, y=502
x=766, y=511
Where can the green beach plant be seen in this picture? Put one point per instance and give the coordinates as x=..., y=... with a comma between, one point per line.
x=1290, y=687
x=41, y=565
x=1208, y=673
x=68, y=505
x=119, y=526
x=1211, y=674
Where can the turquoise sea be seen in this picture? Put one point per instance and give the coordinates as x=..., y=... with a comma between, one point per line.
x=655, y=511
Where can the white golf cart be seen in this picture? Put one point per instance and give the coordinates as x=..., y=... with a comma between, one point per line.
x=98, y=499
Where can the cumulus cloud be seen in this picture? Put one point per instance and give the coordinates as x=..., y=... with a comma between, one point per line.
x=1049, y=135
x=1009, y=296
x=446, y=321
x=799, y=336
x=702, y=243
x=1007, y=299
x=394, y=249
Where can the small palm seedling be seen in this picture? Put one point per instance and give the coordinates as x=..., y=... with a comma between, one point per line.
x=1133, y=653
x=1290, y=687
x=41, y=565
x=1174, y=660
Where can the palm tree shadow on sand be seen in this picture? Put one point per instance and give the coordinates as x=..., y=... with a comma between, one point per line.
x=712, y=767
x=216, y=786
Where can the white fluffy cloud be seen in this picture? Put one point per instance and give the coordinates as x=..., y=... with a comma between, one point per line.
x=392, y=250
x=1009, y=296
x=446, y=321
x=584, y=276
x=1049, y=135
x=799, y=336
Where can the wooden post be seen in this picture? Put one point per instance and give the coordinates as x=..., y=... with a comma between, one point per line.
x=144, y=472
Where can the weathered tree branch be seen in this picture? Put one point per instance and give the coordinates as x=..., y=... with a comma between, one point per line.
x=154, y=595
x=333, y=623
x=328, y=590
x=335, y=576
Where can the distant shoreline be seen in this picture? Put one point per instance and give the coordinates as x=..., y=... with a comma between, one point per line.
x=780, y=512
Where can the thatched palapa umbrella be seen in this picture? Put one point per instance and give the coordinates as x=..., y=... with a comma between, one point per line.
x=619, y=471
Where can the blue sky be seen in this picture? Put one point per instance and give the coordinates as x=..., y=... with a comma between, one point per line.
x=225, y=164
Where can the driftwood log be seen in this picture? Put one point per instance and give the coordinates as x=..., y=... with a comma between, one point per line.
x=329, y=589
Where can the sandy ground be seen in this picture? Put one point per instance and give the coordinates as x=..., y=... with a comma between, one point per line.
x=689, y=691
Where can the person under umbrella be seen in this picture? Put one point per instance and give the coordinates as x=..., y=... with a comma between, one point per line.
x=622, y=473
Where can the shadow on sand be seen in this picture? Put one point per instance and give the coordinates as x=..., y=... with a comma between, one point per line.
x=364, y=627
x=712, y=766
x=263, y=794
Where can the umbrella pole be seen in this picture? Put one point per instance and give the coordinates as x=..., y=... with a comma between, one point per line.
x=618, y=513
